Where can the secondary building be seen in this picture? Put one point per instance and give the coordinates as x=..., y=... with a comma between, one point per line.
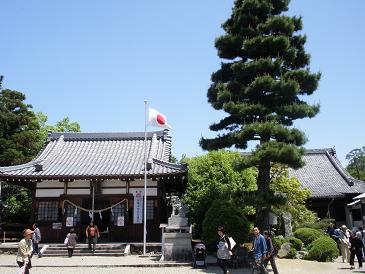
x=332, y=188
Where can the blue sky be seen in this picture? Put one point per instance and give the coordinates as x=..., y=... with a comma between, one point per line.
x=97, y=61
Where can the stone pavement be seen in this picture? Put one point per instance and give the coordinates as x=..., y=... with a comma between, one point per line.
x=151, y=265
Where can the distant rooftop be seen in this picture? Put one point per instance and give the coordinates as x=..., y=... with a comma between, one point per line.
x=324, y=175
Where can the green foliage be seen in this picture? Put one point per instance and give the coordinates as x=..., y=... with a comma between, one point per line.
x=19, y=129
x=295, y=196
x=277, y=241
x=292, y=253
x=324, y=249
x=211, y=177
x=308, y=235
x=225, y=213
x=18, y=201
x=296, y=243
x=64, y=125
x=318, y=225
x=356, y=166
x=261, y=88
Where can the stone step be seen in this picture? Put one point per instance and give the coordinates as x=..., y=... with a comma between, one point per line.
x=56, y=250
x=65, y=254
x=77, y=247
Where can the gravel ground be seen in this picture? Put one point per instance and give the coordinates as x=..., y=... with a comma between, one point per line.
x=101, y=265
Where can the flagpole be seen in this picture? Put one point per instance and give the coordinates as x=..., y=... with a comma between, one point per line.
x=145, y=180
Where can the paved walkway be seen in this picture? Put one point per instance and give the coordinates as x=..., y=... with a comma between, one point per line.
x=150, y=265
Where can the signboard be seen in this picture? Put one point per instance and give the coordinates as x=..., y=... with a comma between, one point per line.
x=120, y=221
x=69, y=221
x=57, y=226
x=138, y=207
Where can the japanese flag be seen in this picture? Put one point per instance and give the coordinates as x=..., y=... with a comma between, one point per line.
x=157, y=119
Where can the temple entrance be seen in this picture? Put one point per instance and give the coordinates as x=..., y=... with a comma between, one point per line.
x=102, y=220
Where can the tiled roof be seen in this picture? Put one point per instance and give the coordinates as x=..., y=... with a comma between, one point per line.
x=324, y=175
x=99, y=155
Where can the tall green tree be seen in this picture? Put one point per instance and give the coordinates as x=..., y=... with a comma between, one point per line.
x=19, y=129
x=356, y=166
x=262, y=87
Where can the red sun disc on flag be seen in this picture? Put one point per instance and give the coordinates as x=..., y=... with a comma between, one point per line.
x=160, y=119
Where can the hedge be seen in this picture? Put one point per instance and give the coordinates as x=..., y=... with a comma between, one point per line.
x=323, y=249
x=308, y=235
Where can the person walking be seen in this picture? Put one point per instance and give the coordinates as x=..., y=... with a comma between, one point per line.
x=344, y=236
x=224, y=252
x=92, y=234
x=71, y=242
x=36, y=238
x=259, y=250
x=356, y=248
x=270, y=255
x=25, y=251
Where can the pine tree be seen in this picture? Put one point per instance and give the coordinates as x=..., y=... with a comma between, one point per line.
x=262, y=87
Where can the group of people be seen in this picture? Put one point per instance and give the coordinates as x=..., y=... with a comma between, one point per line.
x=29, y=245
x=351, y=243
x=263, y=250
x=92, y=234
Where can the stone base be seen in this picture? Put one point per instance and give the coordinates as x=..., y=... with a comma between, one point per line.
x=177, y=221
x=176, y=246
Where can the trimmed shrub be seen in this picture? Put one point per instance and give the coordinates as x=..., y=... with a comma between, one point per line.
x=225, y=213
x=323, y=249
x=295, y=243
x=308, y=235
x=277, y=241
x=292, y=253
x=320, y=224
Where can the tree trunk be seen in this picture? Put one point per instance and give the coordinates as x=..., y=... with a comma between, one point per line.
x=263, y=187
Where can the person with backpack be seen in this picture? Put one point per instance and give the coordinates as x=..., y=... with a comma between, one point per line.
x=71, y=242
x=270, y=255
x=92, y=234
x=224, y=252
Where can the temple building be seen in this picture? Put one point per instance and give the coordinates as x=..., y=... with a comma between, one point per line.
x=80, y=176
x=332, y=188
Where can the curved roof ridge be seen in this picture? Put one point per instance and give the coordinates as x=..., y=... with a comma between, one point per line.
x=36, y=161
x=170, y=165
x=337, y=165
x=70, y=136
x=319, y=151
x=152, y=151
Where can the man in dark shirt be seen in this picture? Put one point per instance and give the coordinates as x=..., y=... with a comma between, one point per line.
x=270, y=253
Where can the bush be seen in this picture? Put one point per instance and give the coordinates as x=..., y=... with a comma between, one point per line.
x=308, y=235
x=292, y=253
x=224, y=213
x=277, y=241
x=323, y=249
x=320, y=224
x=295, y=243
